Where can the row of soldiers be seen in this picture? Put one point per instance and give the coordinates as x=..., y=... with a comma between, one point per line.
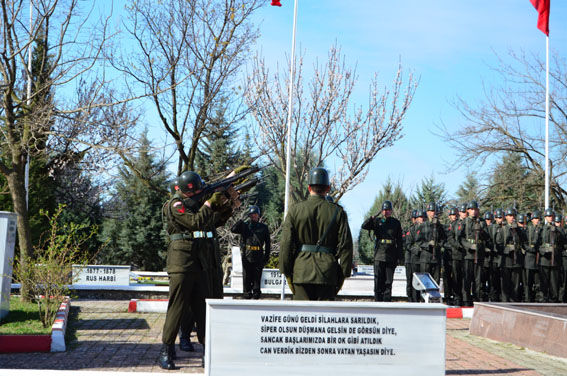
x=499, y=257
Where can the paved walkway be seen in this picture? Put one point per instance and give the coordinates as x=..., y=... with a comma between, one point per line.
x=107, y=338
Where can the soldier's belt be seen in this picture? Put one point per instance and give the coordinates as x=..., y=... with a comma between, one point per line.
x=546, y=249
x=253, y=247
x=192, y=235
x=385, y=241
x=546, y=245
x=317, y=248
x=511, y=247
x=472, y=241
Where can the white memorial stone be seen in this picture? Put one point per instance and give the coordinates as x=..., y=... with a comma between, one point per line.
x=101, y=275
x=324, y=338
x=7, y=242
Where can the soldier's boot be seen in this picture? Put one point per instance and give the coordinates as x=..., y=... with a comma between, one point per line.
x=172, y=352
x=185, y=340
x=165, y=361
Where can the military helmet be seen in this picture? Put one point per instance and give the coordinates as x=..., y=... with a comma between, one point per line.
x=558, y=218
x=174, y=185
x=319, y=176
x=422, y=214
x=548, y=212
x=431, y=207
x=488, y=215
x=189, y=181
x=472, y=204
x=387, y=205
x=463, y=208
x=254, y=210
x=454, y=211
x=521, y=218
x=536, y=214
x=414, y=213
x=499, y=213
x=511, y=211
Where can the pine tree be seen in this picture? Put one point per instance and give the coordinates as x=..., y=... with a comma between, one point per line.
x=133, y=234
x=469, y=189
x=429, y=191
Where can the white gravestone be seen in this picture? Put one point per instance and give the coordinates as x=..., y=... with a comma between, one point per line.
x=7, y=242
x=324, y=338
x=101, y=275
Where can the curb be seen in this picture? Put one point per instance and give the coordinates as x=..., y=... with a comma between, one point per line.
x=160, y=306
x=41, y=342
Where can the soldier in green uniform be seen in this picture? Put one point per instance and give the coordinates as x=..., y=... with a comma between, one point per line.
x=255, y=246
x=452, y=262
x=430, y=238
x=473, y=239
x=316, y=245
x=388, y=250
x=563, y=269
x=549, y=258
x=408, y=239
x=496, y=233
x=531, y=258
x=187, y=220
x=488, y=256
x=512, y=258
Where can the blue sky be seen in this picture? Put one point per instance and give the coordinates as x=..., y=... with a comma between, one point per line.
x=450, y=45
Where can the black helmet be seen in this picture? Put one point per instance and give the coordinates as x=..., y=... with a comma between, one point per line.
x=431, y=207
x=386, y=205
x=536, y=214
x=189, y=181
x=548, y=212
x=558, y=218
x=454, y=211
x=463, y=208
x=254, y=210
x=422, y=214
x=319, y=176
x=174, y=185
x=499, y=213
x=511, y=211
x=472, y=204
x=329, y=198
x=488, y=215
x=521, y=218
x=414, y=213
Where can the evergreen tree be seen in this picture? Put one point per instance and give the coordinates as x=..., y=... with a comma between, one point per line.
x=513, y=184
x=133, y=234
x=469, y=189
x=402, y=211
x=429, y=191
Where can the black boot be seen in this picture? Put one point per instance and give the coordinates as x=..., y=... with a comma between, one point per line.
x=165, y=361
x=172, y=351
x=185, y=344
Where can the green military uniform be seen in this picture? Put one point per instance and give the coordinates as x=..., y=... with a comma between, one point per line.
x=255, y=246
x=531, y=261
x=453, y=263
x=563, y=277
x=493, y=253
x=409, y=243
x=388, y=250
x=550, y=253
x=512, y=262
x=317, y=273
x=430, y=237
x=186, y=265
x=473, y=240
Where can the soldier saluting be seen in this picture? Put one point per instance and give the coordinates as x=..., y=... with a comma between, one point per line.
x=388, y=250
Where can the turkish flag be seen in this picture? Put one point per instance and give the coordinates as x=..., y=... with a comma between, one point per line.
x=542, y=7
x=276, y=3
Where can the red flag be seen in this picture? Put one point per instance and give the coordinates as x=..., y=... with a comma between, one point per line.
x=276, y=3
x=542, y=7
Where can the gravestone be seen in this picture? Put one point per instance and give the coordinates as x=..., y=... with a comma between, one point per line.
x=101, y=275
x=7, y=243
x=317, y=338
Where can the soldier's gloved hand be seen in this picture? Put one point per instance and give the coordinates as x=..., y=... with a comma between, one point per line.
x=238, y=170
x=217, y=201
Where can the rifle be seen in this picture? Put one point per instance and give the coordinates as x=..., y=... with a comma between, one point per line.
x=514, y=231
x=552, y=243
x=476, y=237
x=226, y=185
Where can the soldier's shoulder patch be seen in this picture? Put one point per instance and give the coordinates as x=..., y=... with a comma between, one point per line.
x=178, y=205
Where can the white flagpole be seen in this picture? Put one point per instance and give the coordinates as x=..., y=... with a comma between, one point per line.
x=289, y=114
x=28, y=102
x=547, y=177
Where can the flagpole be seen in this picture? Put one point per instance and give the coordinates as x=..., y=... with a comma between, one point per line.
x=289, y=114
x=547, y=177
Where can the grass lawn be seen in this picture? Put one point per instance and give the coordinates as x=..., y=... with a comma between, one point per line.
x=23, y=318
